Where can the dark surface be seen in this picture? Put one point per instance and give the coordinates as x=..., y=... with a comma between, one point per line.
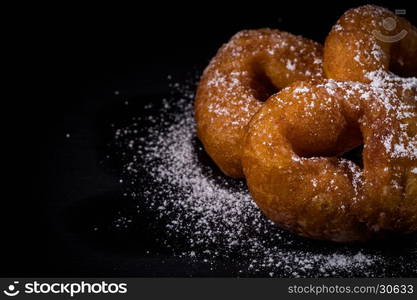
x=58, y=189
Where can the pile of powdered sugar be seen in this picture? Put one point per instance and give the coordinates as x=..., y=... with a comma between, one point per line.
x=211, y=216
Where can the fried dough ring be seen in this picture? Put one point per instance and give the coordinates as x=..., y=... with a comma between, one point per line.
x=290, y=158
x=246, y=71
x=370, y=38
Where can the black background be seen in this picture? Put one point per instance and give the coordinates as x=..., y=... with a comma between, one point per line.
x=69, y=60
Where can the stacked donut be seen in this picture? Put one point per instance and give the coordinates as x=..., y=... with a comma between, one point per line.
x=281, y=110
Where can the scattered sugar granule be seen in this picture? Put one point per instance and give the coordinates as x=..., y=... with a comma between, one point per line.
x=290, y=65
x=167, y=172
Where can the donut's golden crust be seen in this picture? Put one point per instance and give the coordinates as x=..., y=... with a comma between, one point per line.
x=370, y=38
x=294, y=177
x=244, y=73
x=289, y=147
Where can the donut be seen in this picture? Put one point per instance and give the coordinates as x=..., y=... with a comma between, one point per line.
x=295, y=173
x=253, y=65
x=370, y=38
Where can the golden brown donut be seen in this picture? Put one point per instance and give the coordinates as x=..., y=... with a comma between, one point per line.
x=290, y=158
x=370, y=38
x=245, y=72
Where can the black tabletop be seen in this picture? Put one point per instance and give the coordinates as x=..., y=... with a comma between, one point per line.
x=104, y=76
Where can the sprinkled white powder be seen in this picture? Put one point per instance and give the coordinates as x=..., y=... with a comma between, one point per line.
x=301, y=90
x=386, y=87
x=214, y=215
x=318, y=61
x=337, y=27
x=290, y=65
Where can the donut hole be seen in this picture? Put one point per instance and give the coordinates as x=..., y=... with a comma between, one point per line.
x=398, y=67
x=355, y=156
x=344, y=142
x=320, y=131
x=403, y=62
x=262, y=85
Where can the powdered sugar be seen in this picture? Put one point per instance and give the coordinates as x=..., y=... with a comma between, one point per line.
x=390, y=90
x=214, y=215
x=395, y=97
x=290, y=65
x=232, y=85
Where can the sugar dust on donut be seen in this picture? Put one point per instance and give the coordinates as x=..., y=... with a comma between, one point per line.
x=280, y=111
x=370, y=38
x=244, y=73
x=295, y=174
